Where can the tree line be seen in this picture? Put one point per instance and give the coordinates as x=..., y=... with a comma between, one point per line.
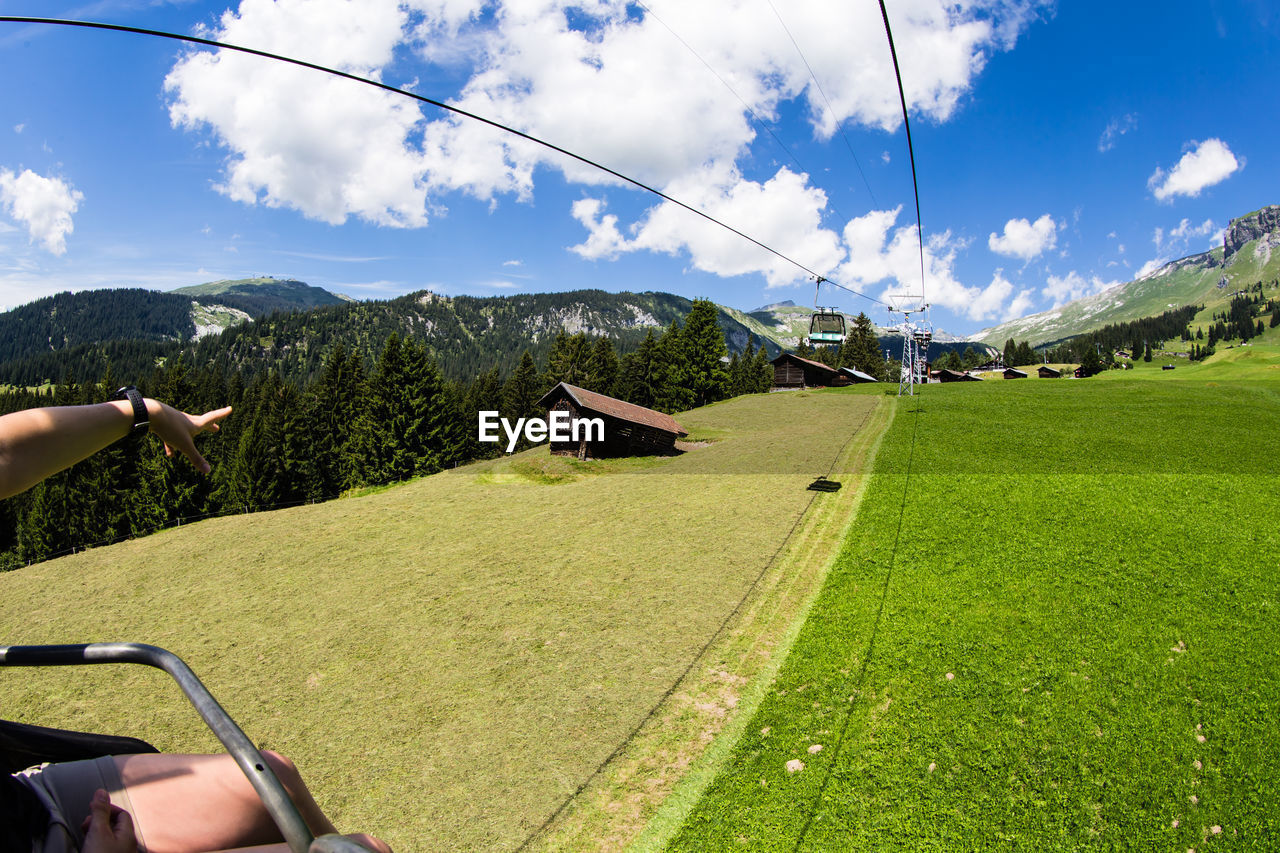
x=360, y=422
x=466, y=336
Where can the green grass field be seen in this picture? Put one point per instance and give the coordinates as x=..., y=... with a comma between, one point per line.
x=448, y=660
x=1061, y=632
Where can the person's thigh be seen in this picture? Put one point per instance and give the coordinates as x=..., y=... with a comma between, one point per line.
x=194, y=803
x=68, y=787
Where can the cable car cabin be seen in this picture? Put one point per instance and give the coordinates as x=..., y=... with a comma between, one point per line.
x=826, y=327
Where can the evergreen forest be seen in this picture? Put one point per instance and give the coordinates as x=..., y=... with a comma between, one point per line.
x=357, y=422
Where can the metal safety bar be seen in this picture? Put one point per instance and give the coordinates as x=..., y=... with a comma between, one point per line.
x=273, y=794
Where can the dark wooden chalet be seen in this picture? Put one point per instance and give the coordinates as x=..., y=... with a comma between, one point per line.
x=857, y=377
x=1010, y=373
x=945, y=375
x=1047, y=372
x=629, y=430
x=792, y=371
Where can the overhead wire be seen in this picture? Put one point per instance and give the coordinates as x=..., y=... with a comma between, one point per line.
x=750, y=111
x=857, y=682
x=827, y=101
x=377, y=84
x=911, y=151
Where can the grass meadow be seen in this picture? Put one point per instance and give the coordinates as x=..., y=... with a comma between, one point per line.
x=1060, y=632
x=451, y=660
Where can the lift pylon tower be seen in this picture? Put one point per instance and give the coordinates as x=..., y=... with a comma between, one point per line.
x=915, y=348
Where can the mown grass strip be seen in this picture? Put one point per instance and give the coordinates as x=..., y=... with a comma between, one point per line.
x=1077, y=648
x=446, y=660
x=806, y=564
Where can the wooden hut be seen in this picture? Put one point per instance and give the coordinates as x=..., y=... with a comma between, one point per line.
x=857, y=377
x=792, y=371
x=629, y=430
x=1047, y=372
x=1010, y=373
x=945, y=375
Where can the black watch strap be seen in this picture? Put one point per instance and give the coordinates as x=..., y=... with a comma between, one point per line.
x=141, y=418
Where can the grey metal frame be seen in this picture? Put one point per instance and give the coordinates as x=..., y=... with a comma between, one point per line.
x=273, y=794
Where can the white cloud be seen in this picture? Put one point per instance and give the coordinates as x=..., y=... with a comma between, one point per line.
x=1115, y=129
x=783, y=212
x=1203, y=165
x=1026, y=240
x=875, y=255
x=18, y=128
x=1021, y=304
x=43, y=205
x=1072, y=286
x=1179, y=239
x=597, y=77
x=327, y=147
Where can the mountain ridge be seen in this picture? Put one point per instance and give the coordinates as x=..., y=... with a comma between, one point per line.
x=1248, y=255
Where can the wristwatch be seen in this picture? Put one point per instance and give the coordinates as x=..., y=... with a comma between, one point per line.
x=141, y=418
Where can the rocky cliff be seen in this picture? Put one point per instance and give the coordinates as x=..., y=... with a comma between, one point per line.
x=1254, y=226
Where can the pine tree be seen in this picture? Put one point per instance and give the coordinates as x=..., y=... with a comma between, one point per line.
x=704, y=349
x=603, y=368
x=484, y=395
x=1146, y=356
x=734, y=387
x=761, y=372
x=520, y=393
x=642, y=373
x=1025, y=354
x=861, y=349
x=672, y=369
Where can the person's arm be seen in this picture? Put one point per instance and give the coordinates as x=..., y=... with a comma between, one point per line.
x=38, y=442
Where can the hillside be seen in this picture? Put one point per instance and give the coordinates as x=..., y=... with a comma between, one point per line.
x=1248, y=255
x=467, y=335
x=1071, y=647
x=259, y=296
x=448, y=659
x=76, y=321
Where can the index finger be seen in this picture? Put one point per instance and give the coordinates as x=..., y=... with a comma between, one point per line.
x=209, y=420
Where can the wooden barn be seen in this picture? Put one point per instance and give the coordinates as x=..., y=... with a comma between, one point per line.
x=945, y=375
x=1047, y=372
x=1010, y=373
x=792, y=371
x=857, y=377
x=629, y=430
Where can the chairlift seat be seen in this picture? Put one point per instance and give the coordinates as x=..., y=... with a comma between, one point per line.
x=826, y=327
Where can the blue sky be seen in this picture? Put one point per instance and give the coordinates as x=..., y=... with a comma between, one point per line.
x=1062, y=148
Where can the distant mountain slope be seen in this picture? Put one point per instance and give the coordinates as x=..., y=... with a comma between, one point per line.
x=466, y=334
x=259, y=296
x=1249, y=254
x=68, y=320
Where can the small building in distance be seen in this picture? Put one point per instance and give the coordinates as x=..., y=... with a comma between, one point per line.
x=1047, y=372
x=857, y=377
x=946, y=375
x=629, y=430
x=792, y=371
x=1011, y=373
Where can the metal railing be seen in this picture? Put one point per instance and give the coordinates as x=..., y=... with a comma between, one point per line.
x=274, y=797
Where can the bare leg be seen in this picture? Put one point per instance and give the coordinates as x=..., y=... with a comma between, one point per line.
x=189, y=803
